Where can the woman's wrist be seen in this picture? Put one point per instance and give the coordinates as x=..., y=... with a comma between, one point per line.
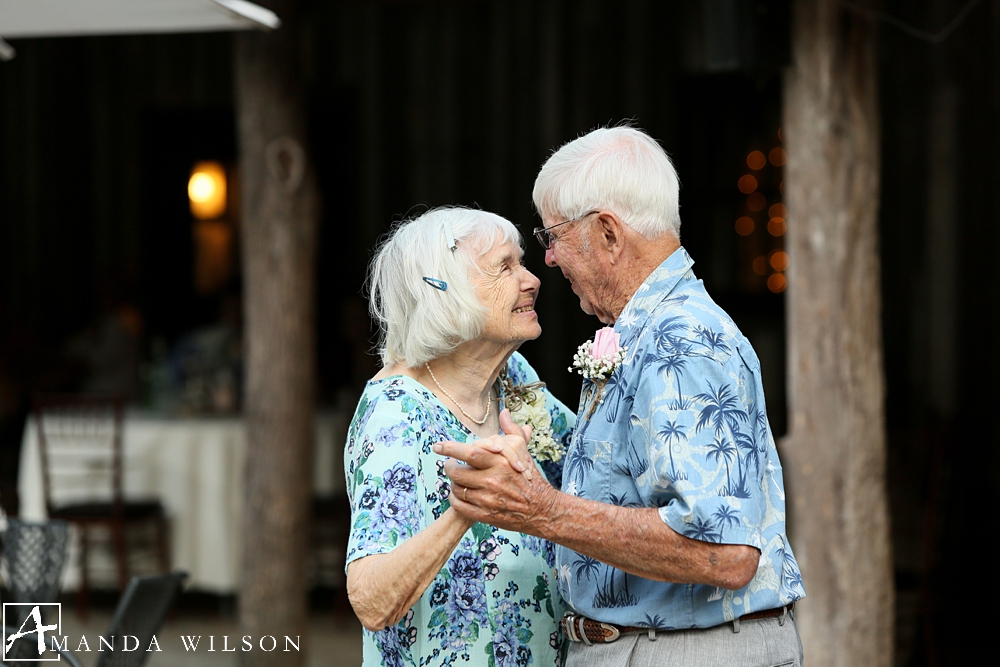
x=459, y=521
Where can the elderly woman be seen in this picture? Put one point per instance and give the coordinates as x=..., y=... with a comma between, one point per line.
x=454, y=303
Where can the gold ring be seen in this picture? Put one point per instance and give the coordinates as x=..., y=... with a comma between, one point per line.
x=465, y=493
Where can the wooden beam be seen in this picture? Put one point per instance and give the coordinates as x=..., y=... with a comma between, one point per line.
x=835, y=453
x=280, y=211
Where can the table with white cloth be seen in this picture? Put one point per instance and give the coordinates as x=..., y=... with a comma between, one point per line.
x=195, y=467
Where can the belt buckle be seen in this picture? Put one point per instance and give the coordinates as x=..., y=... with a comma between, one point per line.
x=615, y=634
x=575, y=631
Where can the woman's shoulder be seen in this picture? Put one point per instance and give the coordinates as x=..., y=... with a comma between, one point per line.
x=390, y=398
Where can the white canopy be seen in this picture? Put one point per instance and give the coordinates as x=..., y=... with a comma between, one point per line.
x=64, y=18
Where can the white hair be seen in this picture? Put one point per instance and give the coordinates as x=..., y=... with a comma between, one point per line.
x=620, y=169
x=418, y=321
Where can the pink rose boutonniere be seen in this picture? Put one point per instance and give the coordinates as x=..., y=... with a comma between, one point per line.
x=596, y=360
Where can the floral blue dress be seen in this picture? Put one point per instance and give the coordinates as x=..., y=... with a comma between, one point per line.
x=496, y=601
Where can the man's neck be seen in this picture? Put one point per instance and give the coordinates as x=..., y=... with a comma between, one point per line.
x=634, y=267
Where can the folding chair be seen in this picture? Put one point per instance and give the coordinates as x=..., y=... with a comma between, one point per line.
x=80, y=443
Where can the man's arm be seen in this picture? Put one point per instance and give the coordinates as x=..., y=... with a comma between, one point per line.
x=635, y=540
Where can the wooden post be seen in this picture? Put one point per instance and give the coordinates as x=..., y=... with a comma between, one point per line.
x=280, y=210
x=835, y=453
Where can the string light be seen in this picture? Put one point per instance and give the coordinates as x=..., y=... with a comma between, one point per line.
x=779, y=260
x=776, y=283
x=744, y=226
x=747, y=184
x=756, y=160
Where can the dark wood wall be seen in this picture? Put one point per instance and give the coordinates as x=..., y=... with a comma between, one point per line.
x=941, y=295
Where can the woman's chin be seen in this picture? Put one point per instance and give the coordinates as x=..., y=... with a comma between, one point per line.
x=535, y=333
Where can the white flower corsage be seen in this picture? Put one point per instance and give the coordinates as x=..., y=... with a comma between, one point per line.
x=597, y=360
x=526, y=403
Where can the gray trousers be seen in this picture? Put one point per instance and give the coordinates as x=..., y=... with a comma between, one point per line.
x=762, y=642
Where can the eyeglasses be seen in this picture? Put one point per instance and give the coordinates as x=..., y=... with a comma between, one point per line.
x=544, y=234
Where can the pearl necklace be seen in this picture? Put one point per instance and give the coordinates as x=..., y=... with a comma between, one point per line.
x=478, y=422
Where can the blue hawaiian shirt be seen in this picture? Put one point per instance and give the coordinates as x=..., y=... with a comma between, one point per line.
x=680, y=425
x=496, y=601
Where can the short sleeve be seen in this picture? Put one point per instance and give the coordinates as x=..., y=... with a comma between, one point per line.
x=694, y=415
x=383, y=462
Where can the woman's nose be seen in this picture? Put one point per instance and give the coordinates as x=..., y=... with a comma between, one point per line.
x=529, y=281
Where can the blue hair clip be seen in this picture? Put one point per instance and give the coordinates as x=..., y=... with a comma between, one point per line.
x=437, y=284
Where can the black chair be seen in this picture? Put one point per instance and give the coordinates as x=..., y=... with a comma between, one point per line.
x=80, y=443
x=139, y=613
x=35, y=554
x=26, y=648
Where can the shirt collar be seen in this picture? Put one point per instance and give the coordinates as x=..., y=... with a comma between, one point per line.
x=654, y=289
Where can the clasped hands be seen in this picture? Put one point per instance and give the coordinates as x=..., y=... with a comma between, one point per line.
x=494, y=480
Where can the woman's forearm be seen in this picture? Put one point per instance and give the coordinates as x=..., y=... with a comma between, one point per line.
x=383, y=587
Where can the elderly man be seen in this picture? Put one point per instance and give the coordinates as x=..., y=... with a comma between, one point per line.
x=670, y=527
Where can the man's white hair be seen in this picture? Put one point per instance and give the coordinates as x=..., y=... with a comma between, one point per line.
x=620, y=169
x=419, y=322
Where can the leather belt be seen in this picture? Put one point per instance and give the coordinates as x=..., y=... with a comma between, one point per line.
x=582, y=629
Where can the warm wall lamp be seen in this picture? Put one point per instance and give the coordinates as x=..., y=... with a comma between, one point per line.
x=207, y=190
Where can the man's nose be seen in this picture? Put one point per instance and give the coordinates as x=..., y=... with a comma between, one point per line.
x=550, y=257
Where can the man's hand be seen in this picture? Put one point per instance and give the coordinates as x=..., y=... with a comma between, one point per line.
x=485, y=487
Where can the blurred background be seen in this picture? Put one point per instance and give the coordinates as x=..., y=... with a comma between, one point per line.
x=119, y=235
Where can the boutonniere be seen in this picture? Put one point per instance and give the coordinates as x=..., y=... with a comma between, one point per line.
x=526, y=403
x=596, y=360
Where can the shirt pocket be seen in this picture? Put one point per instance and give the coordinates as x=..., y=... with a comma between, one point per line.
x=587, y=469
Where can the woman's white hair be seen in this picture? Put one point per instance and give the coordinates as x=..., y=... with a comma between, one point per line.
x=620, y=169
x=418, y=321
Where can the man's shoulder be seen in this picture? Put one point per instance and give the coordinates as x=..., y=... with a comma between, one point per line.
x=689, y=323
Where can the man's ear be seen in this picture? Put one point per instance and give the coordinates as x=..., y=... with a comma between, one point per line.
x=611, y=234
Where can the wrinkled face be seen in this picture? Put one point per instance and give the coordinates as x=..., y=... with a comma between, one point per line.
x=589, y=281
x=508, y=290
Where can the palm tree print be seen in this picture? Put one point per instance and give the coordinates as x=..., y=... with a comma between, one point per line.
x=763, y=429
x=578, y=463
x=714, y=340
x=669, y=432
x=702, y=530
x=634, y=465
x=616, y=390
x=674, y=365
x=723, y=412
x=654, y=621
x=722, y=409
x=623, y=501
x=607, y=597
x=726, y=516
x=722, y=451
x=586, y=567
x=668, y=342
